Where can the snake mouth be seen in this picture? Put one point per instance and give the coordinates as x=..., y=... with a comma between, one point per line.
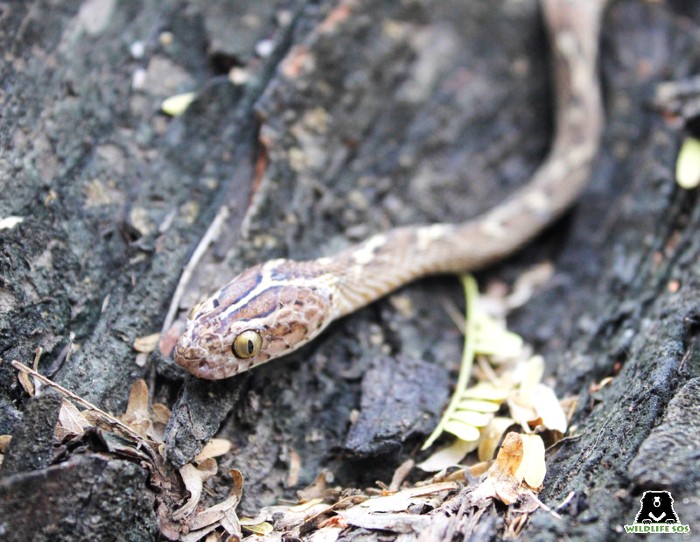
x=199, y=362
x=190, y=356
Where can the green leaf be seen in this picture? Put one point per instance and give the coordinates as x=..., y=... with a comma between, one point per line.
x=487, y=392
x=688, y=164
x=476, y=405
x=448, y=422
x=475, y=419
x=461, y=430
x=176, y=105
x=471, y=409
x=493, y=339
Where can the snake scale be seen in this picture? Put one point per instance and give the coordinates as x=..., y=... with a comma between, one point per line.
x=274, y=308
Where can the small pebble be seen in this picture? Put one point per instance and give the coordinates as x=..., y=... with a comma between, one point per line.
x=264, y=48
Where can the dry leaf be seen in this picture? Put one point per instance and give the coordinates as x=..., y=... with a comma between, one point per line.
x=303, y=507
x=597, y=386
x=533, y=371
x=5, y=443
x=533, y=400
x=147, y=422
x=521, y=458
x=400, y=474
x=404, y=523
x=448, y=456
x=492, y=435
x=549, y=408
x=493, y=339
x=229, y=521
x=402, y=500
x=161, y=413
x=330, y=532
x=147, y=343
x=294, y=460
x=532, y=467
x=317, y=488
x=480, y=468
x=169, y=338
x=70, y=421
x=262, y=529
x=26, y=381
x=137, y=415
x=528, y=283
x=392, y=512
x=194, y=536
x=194, y=478
x=141, y=359
x=214, y=448
x=219, y=515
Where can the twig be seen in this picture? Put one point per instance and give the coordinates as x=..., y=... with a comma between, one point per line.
x=566, y=501
x=63, y=356
x=211, y=233
x=107, y=417
x=544, y=507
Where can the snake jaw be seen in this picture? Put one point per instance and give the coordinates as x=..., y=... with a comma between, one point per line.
x=201, y=363
x=188, y=354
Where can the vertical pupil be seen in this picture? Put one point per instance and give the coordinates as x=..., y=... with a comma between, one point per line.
x=250, y=346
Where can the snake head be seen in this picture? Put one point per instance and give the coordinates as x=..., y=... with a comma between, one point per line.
x=266, y=312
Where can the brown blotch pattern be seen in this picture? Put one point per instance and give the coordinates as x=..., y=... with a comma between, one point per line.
x=290, y=269
x=259, y=306
x=288, y=296
x=239, y=287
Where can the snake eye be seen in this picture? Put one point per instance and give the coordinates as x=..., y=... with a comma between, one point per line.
x=247, y=344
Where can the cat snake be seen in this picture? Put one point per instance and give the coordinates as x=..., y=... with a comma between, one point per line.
x=273, y=308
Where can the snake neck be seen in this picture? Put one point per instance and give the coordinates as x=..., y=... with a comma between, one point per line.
x=386, y=261
x=389, y=260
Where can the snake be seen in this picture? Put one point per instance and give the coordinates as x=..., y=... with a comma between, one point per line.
x=274, y=308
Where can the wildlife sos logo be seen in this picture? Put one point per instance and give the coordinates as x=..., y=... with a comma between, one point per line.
x=656, y=515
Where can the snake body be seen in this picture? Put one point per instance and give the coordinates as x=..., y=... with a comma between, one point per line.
x=273, y=308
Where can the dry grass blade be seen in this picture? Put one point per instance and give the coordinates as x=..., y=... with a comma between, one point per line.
x=105, y=416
